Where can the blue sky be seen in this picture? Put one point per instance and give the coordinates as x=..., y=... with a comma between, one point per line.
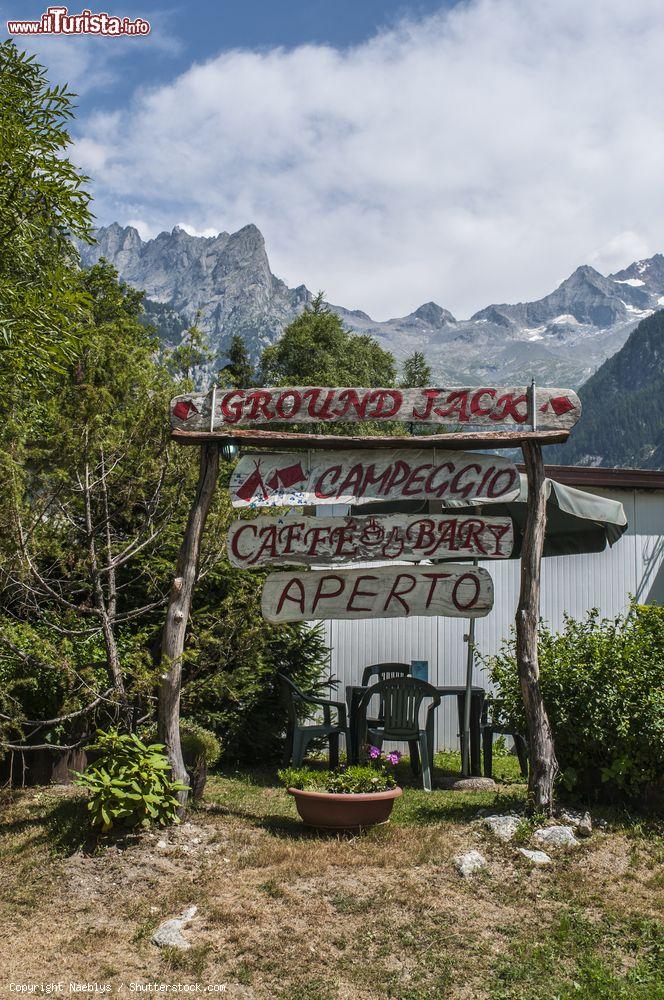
x=184, y=33
x=391, y=153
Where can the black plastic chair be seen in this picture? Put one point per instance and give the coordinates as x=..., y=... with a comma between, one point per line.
x=299, y=735
x=401, y=698
x=493, y=727
x=383, y=672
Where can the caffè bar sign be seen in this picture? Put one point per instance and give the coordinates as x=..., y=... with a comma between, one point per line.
x=310, y=541
x=295, y=479
x=490, y=407
x=452, y=590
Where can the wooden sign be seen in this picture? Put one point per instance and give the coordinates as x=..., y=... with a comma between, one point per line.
x=449, y=590
x=296, y=479
x=457, y=407
x=308, y=541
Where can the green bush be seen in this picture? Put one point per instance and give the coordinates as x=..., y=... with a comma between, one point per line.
x=602, y=682
x=197, y=743
x=231, y=666
x=130, y=783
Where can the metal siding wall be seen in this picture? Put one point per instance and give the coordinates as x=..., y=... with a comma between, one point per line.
x=571, y=584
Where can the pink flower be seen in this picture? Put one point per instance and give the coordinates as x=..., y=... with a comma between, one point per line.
x=394, y=757
x=374, y=753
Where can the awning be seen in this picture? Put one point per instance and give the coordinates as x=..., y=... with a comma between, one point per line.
x=576, y=521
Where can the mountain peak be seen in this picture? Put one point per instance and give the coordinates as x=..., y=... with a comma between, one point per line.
x=434, y=315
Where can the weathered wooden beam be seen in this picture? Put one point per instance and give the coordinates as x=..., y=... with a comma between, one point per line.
x=467, y=440
x=465, y=406
x=542, y=756
x=177, y=615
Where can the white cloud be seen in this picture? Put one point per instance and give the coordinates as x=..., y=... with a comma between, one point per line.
x=193, y=231
x=476, y=156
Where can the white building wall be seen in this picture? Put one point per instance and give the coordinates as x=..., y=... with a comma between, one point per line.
x=570, y=584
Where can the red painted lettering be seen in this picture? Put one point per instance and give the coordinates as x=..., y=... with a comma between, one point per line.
x=231, y=406
x=259, y=401
x=356, y=592
x=323, y=595
x=398, y=595
x=456, y=599
x=235, y=541
x=435, y=578
x=297, y=585
x=295, y=399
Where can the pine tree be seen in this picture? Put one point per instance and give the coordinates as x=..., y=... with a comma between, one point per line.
x=192, y=352
x=239, y=371
x=416, y=372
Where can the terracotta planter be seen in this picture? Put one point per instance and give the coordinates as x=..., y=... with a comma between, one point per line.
x=344, y=811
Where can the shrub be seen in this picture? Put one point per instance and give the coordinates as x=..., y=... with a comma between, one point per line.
x=603, y=686
x=199, y=743
x=231, y=666
x=200, y=750
x=130, y=783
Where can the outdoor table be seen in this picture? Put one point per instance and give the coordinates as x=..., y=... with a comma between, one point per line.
x=355, y=691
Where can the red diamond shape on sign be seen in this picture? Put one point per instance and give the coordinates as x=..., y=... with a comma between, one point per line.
x=561, y=404
x=182, y=409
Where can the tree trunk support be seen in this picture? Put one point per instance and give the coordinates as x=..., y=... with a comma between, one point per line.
x=177, y=615
x=542, y=757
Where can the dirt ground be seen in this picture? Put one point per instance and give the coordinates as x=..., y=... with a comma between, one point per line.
x=284, y=912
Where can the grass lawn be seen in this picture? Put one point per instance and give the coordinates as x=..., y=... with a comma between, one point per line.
x=285, y=912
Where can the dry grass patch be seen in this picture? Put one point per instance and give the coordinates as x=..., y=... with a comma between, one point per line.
x=286, y=912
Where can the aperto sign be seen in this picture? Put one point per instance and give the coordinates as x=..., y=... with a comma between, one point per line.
x=455, y=591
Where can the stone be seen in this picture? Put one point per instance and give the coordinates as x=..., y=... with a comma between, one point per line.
x=503, y=827
x=469, y=863
x=474, y=785
x=581, y=822
x=169, y=934
x=556, y=836
x=537, y=857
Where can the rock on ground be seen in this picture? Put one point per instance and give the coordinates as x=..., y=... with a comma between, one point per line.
x=474, y=785
x=469, y=863
x=537, y=857
x=503, y=827
x=556, y=836
x=169, y=934
x=581, y=822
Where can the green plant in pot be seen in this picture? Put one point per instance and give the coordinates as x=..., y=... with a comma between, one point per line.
x=348, y=797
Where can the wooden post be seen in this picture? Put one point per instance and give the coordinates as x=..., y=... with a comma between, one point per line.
x=177, y=616
x=543, y=763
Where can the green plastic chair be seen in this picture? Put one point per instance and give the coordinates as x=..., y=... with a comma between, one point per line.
x=401, y=698
x=299, y=735
x=383, y=672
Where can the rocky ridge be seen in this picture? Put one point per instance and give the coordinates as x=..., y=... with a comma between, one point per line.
x=225, y=283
